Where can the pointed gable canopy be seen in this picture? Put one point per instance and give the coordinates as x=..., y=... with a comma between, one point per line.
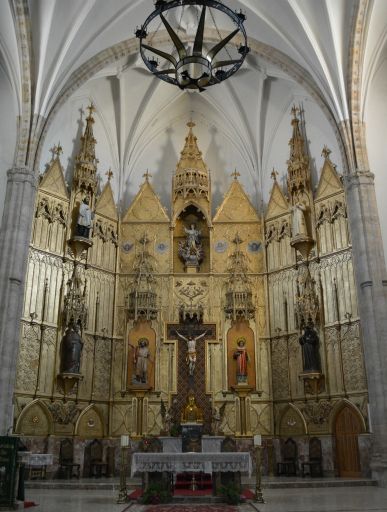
x=236, y=206
x=146, y=206
x=106, y=205
x=329, y=183
x=278, y=204
x=53, y=179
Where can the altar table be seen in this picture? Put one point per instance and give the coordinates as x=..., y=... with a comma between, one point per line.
x=208, y=462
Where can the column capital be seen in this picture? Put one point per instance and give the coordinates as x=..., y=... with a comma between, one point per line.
x=22, y=175
x=359, y=177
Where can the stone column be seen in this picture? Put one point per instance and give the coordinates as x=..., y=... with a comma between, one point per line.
x=14, y=242
x=370, y=272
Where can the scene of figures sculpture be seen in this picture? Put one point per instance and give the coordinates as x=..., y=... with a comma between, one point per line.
x=166, y=418
x=217, y=419
x=70, y=351
x=191, y=412
x=310, y=349
x=140, y=361
x=84, y=220
x=191, y=249
x=299, y=226
x=191, y=350
x=242, y=359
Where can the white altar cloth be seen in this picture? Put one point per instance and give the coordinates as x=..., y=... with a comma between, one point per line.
x=209, y=462
x=37, y=459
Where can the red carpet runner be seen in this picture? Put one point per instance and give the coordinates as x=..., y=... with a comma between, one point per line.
x=190, y=508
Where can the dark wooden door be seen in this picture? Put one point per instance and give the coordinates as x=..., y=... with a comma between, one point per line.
x=348, y=427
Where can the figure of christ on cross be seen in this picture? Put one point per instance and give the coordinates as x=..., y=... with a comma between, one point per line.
x=191, y=349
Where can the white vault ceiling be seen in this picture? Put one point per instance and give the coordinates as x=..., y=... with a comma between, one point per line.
x=243, y=123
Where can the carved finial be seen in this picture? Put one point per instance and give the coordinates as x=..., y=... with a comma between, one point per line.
x=274, y=174
x=91, y=109
x=57, y=150
x=191, y=124
x=147, y=175
x=295, y=111
x=235, y=175
x=144, y=240
x=237, y=240
x=109, y=174
x=326, y=152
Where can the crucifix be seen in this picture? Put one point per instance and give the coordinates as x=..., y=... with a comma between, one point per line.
x=191, y=346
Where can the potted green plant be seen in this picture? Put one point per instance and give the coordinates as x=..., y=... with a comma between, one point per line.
x=155, y=494
x=231, y=494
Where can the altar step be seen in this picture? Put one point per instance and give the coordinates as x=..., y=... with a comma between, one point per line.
x=113, y=484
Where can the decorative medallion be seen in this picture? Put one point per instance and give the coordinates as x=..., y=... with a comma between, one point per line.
x=254, y=246
x=162, y=248
x=220, y=246
x=127, y=246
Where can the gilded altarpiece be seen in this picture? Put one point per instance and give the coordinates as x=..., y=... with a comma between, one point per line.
x=245, y=257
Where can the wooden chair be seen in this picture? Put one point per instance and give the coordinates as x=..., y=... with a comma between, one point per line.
x=288, y=466
x=98, y=467
x=315, y=459
x=67, y=467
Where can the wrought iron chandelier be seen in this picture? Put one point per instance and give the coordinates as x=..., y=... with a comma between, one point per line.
x=194, y=63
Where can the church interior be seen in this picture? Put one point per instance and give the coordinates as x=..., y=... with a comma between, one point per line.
x=192, y=269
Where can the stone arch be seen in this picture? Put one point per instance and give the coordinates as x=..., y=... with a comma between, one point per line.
x=35, y=420
x=291, y=422
x=90, y=423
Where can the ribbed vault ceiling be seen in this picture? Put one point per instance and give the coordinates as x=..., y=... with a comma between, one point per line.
x=243, y=123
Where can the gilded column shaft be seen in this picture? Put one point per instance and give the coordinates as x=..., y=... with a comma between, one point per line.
x=14, y=242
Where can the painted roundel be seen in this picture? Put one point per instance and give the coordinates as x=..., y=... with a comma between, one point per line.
x=254, y=246
x=127, y=246
x=162, y=248
x=220, y=246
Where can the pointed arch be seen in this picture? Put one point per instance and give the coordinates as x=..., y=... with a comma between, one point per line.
x=35, y=420
x=291, y=422
x=90, y=423
x=192, y=202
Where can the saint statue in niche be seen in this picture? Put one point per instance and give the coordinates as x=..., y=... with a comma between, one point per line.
x=309, y=342
x=140, y=360
x=242, y=358
x=191, y=250
x=84, y=219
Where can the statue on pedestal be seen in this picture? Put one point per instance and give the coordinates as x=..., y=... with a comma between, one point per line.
x=84, y=219
x=70, y=351
x=299, y=227
x=309, y=342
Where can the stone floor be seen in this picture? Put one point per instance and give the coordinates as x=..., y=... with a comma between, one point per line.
x=323, y=499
